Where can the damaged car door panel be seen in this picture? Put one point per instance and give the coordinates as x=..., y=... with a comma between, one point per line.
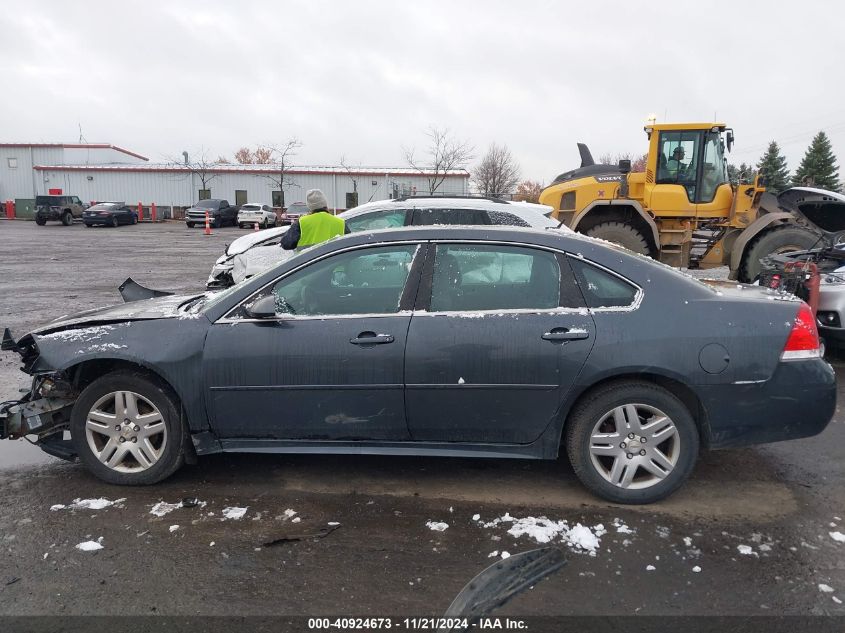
x=488, y=342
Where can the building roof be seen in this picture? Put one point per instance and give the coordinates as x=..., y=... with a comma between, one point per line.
x=255, y=169
x=78, y=146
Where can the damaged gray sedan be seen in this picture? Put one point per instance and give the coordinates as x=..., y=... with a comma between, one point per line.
x=488, y=342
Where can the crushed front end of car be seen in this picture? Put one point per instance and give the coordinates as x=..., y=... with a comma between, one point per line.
x=44, y=411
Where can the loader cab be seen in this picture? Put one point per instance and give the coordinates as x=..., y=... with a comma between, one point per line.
x=690, y=170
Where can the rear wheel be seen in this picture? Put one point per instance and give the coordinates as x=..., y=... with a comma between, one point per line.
x=632, y=442
x=134, y=218
x=114, y=221
x=622, y=234
x=781, y=239
x=127, y=429
x=67, y=218
x=40, y=221
x=190, y=225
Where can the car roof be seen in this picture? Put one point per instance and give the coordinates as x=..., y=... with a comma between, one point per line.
x=451, y=203
x=255, y=204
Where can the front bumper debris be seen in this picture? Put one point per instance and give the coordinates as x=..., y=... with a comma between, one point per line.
x=37, y=417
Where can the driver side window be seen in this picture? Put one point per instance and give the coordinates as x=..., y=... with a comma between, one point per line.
x=367, y=281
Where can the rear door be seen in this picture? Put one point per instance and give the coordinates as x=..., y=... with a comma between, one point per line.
x=500, y=334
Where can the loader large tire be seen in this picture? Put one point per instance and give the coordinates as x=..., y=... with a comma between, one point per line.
x=622, y=234
x=781, y=239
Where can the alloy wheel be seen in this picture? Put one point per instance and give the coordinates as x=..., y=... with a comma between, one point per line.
x=634, y=446
x=126, y=432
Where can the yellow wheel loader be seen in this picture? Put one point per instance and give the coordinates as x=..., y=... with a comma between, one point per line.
x=682, y=209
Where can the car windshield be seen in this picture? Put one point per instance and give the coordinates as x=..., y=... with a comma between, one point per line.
x=298, y=208
x=251, y=207
x=104, y=206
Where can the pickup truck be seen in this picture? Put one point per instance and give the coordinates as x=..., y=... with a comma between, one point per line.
x=220, y=212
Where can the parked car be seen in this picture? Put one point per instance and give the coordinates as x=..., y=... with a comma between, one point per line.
x=248, y=256
x=253, y=213
x=463, y=341
x=293, y=212
x=824, y=212
x=109, y=214
x=63, y=208
x=220, y=213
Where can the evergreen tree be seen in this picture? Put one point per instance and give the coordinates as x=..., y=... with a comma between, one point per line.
x=742, y=175
x=818, y=168
x=773, y=167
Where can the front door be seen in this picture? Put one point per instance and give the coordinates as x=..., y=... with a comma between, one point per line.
x=499, y=340
x=330, y=366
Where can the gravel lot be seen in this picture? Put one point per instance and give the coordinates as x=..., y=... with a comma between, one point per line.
x=750, y=534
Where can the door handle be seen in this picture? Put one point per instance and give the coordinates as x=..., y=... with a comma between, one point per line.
x=565, y=334
x=371, y=338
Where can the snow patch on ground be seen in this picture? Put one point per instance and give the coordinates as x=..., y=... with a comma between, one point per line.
x=505, y=555
x=437, y=526
x=93, y=546
x=234, y=513
x=746, y=550
x=825, y=588
x=173, y=528
x=621, y=528
x=162, y=508
x=839, y=537
x=87, y=504
x=696, y=569
x=579, y=538
x=650, y=567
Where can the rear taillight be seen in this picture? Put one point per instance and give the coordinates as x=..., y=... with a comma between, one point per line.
x=803, y=341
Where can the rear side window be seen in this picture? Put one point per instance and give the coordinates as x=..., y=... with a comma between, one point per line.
x=427, y=217
x=506, y=219
x=493, y=277
x=377, y=220
x=600, y=288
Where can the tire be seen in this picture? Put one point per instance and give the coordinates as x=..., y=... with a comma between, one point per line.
x=134, y=219
x=40, y=221
x=622, y=234
x=266, y=224
x=594, y=460
x=114, y=221
x=67, y=218
x=165, y=452
x=190, y=225
x=88, y=226
x=781, y=239
x=240, y=226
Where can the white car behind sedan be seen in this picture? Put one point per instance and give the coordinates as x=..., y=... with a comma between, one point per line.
x=253, y=213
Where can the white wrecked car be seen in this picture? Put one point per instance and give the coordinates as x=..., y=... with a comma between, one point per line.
x=256, y=252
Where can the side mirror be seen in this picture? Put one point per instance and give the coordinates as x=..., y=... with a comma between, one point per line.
x=263, y=308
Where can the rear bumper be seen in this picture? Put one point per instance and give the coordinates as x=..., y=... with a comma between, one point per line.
x=797, y=401
x=48, y=214
x=104, y=221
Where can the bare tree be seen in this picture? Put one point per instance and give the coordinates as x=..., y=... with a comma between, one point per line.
x=354, y=178
x=282, y=156
x=638, y=161
x=529, y=191
x=259, y=156
x=444, y=154
x=200, y=165
x=222, y=160
x=497, y=174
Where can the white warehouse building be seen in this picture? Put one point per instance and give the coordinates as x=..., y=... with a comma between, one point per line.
x=100, y=172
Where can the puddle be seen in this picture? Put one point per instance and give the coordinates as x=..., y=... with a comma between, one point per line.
x=15, y=453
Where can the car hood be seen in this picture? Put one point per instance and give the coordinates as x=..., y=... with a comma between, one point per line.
x=246, y=242
x=157, y=308
x=823, y=210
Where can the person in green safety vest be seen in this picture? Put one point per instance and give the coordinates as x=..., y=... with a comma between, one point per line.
x=316, y=227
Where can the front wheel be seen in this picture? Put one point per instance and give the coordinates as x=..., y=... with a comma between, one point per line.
x=781, y=239
x=632, y=442
x=622, y=234
x=40, y=221
x=190, y=225
x=67, y=218
x=127, y=429
x=114, y=221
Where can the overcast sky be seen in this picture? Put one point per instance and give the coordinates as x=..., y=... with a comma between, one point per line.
x=362, y=79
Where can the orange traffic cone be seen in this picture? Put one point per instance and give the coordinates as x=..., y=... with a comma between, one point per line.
x=207, y=225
